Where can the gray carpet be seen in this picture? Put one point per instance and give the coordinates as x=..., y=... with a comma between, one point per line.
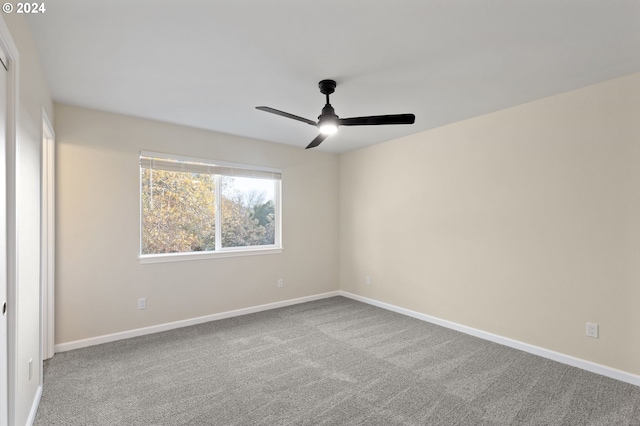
x=329, y=362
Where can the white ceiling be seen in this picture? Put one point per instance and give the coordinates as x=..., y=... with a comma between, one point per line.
x=208, y=63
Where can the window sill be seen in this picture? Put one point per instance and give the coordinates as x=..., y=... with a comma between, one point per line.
x=182, y=257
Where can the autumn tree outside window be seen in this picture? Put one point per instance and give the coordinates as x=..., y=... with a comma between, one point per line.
x=192, y=206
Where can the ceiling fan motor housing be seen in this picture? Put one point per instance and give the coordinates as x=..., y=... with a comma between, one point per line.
x=328, y=113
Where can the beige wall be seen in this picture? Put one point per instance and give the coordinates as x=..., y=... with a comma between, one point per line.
x=524, y=223
x=33, y=98
x=99, y=277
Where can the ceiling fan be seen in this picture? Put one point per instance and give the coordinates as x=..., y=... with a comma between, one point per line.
x=328, y=121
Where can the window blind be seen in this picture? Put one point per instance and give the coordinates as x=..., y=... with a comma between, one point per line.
x=148, y=162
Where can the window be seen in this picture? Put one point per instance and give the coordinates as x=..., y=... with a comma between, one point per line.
x=194, y=208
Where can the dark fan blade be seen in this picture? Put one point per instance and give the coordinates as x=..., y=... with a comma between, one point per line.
x=286, y=114
x=317, y=141
x=377, y=120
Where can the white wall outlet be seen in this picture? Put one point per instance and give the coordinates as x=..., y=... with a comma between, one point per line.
x=30, y=368
x=142, y=303
x=280, y=283
x=367, y=280
x=592, y=330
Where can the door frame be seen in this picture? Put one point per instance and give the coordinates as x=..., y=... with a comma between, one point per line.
x=7, y=404
x=47, y=237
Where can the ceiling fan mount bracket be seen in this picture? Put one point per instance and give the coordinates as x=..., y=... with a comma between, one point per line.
x=327, y=87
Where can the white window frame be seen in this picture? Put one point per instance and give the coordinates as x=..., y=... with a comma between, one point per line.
x=220, y=252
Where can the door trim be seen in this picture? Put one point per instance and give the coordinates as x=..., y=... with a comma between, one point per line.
x=6, y=41
x=47, y=270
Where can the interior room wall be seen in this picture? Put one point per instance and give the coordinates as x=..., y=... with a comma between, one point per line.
x=33, y=97
x=524, y=223
x=98, y=275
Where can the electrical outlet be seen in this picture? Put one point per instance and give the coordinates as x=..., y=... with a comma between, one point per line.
x=280, y=283
x=592, y=330
x=30, y=368
x=367, y=280
x=142, y=303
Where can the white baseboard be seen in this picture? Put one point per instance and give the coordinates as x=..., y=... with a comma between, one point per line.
x=603, y=370
x=536, y=350
x=34, y=406
x=77, y=344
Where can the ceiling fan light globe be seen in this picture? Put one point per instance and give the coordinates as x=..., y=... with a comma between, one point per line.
x=328, y=128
